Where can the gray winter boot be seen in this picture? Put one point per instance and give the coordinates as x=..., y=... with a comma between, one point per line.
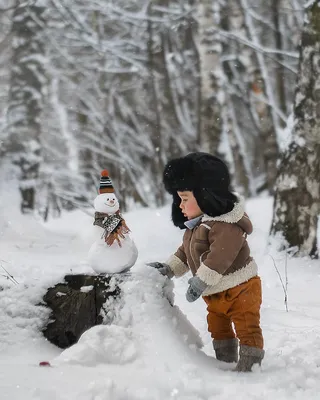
x=226, y=350
x=248, y=357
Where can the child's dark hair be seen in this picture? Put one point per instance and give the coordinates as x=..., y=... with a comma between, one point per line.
x=207, y=177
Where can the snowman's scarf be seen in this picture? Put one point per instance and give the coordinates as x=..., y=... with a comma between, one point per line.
x=109, y=222
x=114, y=226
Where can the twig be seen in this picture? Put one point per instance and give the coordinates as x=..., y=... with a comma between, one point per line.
x=284, y=286
x=260, y=49
x=286, y=271
x=9, y=276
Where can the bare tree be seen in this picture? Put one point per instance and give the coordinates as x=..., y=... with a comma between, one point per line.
x=296, y=203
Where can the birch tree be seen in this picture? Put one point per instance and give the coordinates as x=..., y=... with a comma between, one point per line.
x=27, y=87
x=296, y=203
x=211, y=81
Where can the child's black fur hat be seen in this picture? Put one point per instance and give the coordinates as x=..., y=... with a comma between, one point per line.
x=207, y=177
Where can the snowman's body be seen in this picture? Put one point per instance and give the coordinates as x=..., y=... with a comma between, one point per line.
x=105, y=259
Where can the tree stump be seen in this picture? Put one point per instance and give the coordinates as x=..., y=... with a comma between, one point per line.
x=78, y=304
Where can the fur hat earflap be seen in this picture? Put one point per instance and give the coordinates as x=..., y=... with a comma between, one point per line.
x=177, y=216
x=214, y=203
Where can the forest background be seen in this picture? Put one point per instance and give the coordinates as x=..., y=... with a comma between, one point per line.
x=127, y=85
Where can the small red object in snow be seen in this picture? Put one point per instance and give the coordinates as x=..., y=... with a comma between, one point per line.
x=44, y=364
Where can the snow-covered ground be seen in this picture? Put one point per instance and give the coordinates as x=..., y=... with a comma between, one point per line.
x=151, y=351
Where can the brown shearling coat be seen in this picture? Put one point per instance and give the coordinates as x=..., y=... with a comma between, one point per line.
x=217, y=251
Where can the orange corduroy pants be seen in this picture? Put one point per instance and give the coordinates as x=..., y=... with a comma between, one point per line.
x=239, y=305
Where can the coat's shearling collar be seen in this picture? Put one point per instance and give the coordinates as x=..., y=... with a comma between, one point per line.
x=231, y=217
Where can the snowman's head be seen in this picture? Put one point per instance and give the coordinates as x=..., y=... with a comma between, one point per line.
x=106, y=203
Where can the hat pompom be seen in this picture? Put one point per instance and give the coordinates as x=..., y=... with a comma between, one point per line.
x=104, y=173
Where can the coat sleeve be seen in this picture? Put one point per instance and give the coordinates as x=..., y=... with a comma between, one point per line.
x=178, y=262
x=225, y=241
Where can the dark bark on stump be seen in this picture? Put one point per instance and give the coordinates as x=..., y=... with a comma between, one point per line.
x=74, y=310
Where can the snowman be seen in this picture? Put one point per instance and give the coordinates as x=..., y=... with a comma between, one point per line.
x=113, y=251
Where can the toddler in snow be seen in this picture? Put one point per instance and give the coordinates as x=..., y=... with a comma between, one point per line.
x=216, y=251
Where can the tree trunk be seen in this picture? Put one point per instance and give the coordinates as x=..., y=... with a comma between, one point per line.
x=277, y=5
x=261, y=94
x=25, y=98
x=211, y=81
x=241, y=168
x=157, y=132
x=296, y=204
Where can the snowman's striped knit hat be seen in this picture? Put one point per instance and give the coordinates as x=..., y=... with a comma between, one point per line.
x=106, y=185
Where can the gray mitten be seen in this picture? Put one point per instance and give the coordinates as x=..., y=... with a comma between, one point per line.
x=195, y=289
x=163, y=268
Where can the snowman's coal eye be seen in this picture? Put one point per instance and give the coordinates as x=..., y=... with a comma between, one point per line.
x=108, y=199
